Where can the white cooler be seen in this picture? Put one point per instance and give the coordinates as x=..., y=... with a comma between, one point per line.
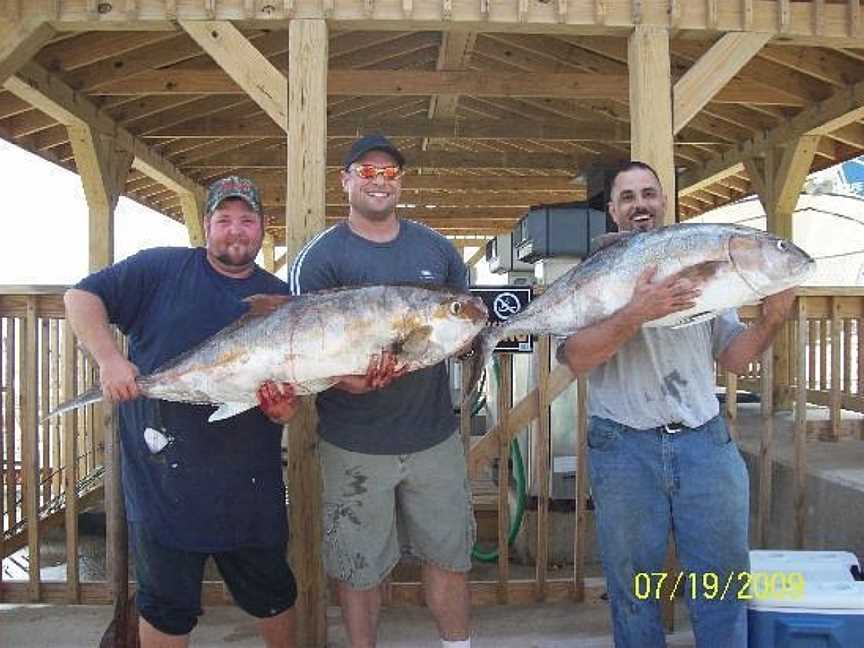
x=829, y=613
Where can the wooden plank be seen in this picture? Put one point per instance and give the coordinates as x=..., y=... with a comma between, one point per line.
x=714, y=70
x=454, y=53
x=766, y=449
x=116, y=541
x=53, y=401
x=54, y=97
x=813, y=336
x=307, y=144
x=836, y=387
x=505, y=402
x=581, y=451
x=731, y=396
x=245, y=65
x=10, y=445
x=541, y=451
x=192, y=206
x=859, y=338
x=70, y=462
x=19, y=42
x=521, y=414
x=42, y=403
x=28, y=363
x=3, y=483
x=823, y=355
x=800, y=431
x=651, y=107
x=842, y=108
x=103, y=167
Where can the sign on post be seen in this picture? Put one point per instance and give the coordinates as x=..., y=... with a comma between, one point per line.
x=503, y=302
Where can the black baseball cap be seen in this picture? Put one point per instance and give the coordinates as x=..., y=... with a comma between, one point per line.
x=372, y=143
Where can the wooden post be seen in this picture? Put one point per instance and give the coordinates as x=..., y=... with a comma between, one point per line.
x=651, y=139
x=19, y=42
x=541, y=449
x=505, y=402
x=70, y=460
x=836, y=394
x=777, y=179
x=268, y=253
x=9, y=427
x=801, y=431
x=766, y=448
x=192, y=206
x=304, y=216
x=581, y=512
x=28, y=362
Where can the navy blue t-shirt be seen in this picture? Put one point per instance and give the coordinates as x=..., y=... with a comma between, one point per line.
x=214, y=486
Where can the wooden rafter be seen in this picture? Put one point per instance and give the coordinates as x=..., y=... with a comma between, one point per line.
x=19, y=41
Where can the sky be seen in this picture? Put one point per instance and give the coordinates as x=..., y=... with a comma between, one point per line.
x=45, y=224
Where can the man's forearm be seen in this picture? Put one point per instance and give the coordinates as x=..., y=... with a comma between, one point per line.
x=595, y=344
x=89, y=319
x=749, y=344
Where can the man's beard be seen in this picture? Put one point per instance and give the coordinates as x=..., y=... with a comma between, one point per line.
x=226, y=258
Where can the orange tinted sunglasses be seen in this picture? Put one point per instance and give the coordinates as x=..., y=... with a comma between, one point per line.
x=369, y=171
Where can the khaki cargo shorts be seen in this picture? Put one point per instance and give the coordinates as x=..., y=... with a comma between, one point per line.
x=378, y=508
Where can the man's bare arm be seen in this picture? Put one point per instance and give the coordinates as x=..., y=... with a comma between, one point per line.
x=89, y=319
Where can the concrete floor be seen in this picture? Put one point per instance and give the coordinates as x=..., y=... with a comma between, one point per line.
x=558, y=625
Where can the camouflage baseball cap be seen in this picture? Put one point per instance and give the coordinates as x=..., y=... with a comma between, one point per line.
x=233, y=187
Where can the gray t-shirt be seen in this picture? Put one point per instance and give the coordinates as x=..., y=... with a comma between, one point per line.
x=663, y=375
x=415, y=412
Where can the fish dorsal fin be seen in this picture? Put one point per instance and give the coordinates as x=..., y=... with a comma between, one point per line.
x=699, y=273
x=261, y=305
x=610, y=238
x=227, y=410
x=694, y=319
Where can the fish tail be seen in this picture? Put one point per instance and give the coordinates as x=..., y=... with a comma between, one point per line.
x=92, y=395
x=483, y=346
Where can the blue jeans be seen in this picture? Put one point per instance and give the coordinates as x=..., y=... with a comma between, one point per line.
x=694, y=484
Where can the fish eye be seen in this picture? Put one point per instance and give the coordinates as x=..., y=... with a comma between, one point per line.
x=781, y=245
x=455, y=308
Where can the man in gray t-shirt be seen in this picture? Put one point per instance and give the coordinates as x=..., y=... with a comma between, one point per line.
x=393, y=466
x=661, y=459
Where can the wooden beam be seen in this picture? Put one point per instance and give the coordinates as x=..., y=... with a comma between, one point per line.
x=103, y=167
x=841, y=109
x=19, y=42
x=49, y=94
x=712, y=72
x=651, y=107
x=304, y=217
x=353, y=82
x=268, y=253
x=192, y=207
x=618, y=17
x=453, y=54
x=486, y=129
x=244, y=64
x=275, y=158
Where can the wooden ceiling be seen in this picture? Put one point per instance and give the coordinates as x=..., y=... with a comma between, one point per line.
x=491, y=121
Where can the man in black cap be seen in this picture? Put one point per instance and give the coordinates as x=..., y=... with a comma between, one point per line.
x=393, y=464
x=194, y=489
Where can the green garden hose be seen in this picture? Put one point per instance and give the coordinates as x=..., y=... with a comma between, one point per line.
x=519, y=483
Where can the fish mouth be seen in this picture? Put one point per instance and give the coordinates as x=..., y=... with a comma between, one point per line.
x=475, y=311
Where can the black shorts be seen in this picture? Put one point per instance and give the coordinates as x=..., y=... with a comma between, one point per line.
x=169, y=581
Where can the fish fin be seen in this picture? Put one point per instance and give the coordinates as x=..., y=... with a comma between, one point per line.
x=472, y=368
x=610, y=238
x=694, y=319
x=92, y=395
x=314, y=386
x=699, y=273
x=414, y=342
x=227, y=410
x=262, y=304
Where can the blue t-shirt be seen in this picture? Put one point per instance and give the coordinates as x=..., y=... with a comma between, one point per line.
x=214, y=486
x=415, y=412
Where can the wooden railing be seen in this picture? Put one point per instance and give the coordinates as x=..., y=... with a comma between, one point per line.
x=49, y=467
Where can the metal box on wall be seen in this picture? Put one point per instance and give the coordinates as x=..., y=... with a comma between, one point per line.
x=500, y=256
x=564, y=230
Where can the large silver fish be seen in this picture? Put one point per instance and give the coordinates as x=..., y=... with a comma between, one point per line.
x=731, y=265
x=310, y=341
